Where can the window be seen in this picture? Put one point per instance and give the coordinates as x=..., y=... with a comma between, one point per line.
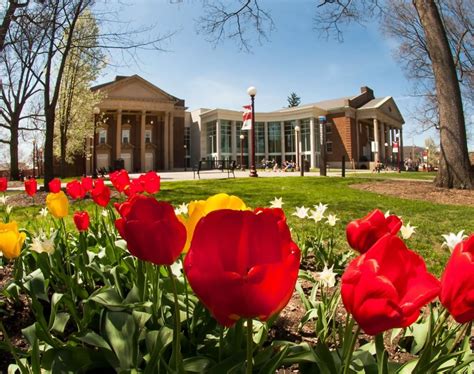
x=147, y=136
x=274, y=137
x=125, y=136
x=211, y=137
x=102, y=136
x=328, y=128
x=226, y=137
x=260, y=138
x=289, y=136
x=305, y=135
x=329, y=147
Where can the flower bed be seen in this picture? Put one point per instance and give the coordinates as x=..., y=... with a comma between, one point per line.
x=197, y=288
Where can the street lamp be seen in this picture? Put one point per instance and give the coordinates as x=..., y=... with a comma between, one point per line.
x=242, y=137
x=185, y=154
x=94, y=153
x=252, y=91
x=297, y=145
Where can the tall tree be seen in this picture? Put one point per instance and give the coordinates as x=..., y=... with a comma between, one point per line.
x=293, y=100
x=83, y=65
x=455, y=168
x=19, y=65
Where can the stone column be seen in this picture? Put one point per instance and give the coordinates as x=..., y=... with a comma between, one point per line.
x=118, y=135
x=382, y=142
x=142, y=141
x=171, y=143
x=312, y=143
x=218, y=140
x=166, y=142
x=234, y=140
x=282, y=131
x=376, y=139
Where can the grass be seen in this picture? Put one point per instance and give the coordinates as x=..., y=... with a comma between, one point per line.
x=431, y=220
x=403, y=175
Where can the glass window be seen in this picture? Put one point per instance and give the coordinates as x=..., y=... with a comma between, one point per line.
x=289, y=136
x=329, y=147
x=305, y=135
x=187, y=146
x=245, y=140
x=147, y=136
x=226, y=137
x=126, y=136
x=328, y=128
x=211, y=140
x=274, y=137
x=259, y=138
x=102, y=136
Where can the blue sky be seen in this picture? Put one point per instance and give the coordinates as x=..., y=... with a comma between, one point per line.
x=294, y=58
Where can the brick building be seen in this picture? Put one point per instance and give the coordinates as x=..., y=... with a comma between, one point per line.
x=150, y=129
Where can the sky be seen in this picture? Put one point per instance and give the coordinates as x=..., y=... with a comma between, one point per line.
x=293, y=59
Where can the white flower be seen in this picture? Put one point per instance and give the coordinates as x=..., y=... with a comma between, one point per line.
x=332, y=219
x=387, y=213
x=104, y=213
x=316, y=215
x=182, y=209
x=321, y=208
x=327, y=277
x=407, y=231
x=8, y=209
x=452, y=239
x=3, y=200
x=41, y=244
x=277, y=202
x=43, y=212
x=301, y=212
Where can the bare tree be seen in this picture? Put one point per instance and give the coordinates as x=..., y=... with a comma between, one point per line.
x=18, y=65
x=333, y=15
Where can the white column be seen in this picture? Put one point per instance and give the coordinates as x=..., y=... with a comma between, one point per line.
x=118, y=135
x=218, y=139
x=357, y=153
x=234, y=140
x=142, y=141
x=402, y=160
x=282, y=130
x=265, y=131
x=312, y=143
x=171, y=145
x=166, y=142
x=376, y=139
x=382, y=142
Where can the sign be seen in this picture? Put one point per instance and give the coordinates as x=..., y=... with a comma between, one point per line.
x=247, y=118
x=395, y=147
x=322, y=119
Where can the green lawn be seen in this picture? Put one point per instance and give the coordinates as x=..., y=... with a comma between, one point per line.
x=431, y=220
x=403, y=175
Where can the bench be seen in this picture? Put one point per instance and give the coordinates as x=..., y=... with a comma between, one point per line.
x=228, y=166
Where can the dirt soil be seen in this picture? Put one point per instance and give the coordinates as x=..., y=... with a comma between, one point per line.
x=419, y=190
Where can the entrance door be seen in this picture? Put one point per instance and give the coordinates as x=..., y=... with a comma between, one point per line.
x=103, y=161
x=149, y=161
x=127, y=161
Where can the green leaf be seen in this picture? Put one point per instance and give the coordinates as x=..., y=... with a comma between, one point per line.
x=108, y=297
x=60, y=322
x=35, y=284
x=272, y=365
x=197, y=364
x=95, y=340
x=120, y=329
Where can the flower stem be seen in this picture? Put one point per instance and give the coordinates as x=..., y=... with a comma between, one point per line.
x=177, y=324
x=380, y=353
x=249, y=346
x=349, y=352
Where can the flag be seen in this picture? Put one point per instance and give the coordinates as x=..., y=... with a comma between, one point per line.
x=247, y=117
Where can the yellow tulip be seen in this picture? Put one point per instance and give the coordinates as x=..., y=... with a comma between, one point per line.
x=58, y=204
x=11, y=240
x=200, y=208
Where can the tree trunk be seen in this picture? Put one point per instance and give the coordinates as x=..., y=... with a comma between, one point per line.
x=48, y=147
x=455, y=167
x=63, y=153
x=14, y=170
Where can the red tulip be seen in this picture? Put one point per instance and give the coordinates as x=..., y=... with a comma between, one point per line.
x=120, y=180
x=81, y=220
x=100, y=193
x=243, y=264
x=75, y=189
x=151, y=229
x=150, y=182
x=457, y=285
x=54, y=185
x=134, y=187
x=87, y=183
x=3, y=184
x=386, y=287
x=31, y=186
x=363, y=233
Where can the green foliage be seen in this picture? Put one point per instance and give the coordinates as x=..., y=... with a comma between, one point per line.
x=293, y=100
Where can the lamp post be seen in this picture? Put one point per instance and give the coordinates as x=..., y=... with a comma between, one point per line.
x=252, y=91
x=297, y=146
x=242, y=137
x=386, y=156
x=185, y=154
x=94, y=153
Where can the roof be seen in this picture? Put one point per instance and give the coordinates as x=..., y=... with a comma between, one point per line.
x=375, y=103
x=325, y=104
